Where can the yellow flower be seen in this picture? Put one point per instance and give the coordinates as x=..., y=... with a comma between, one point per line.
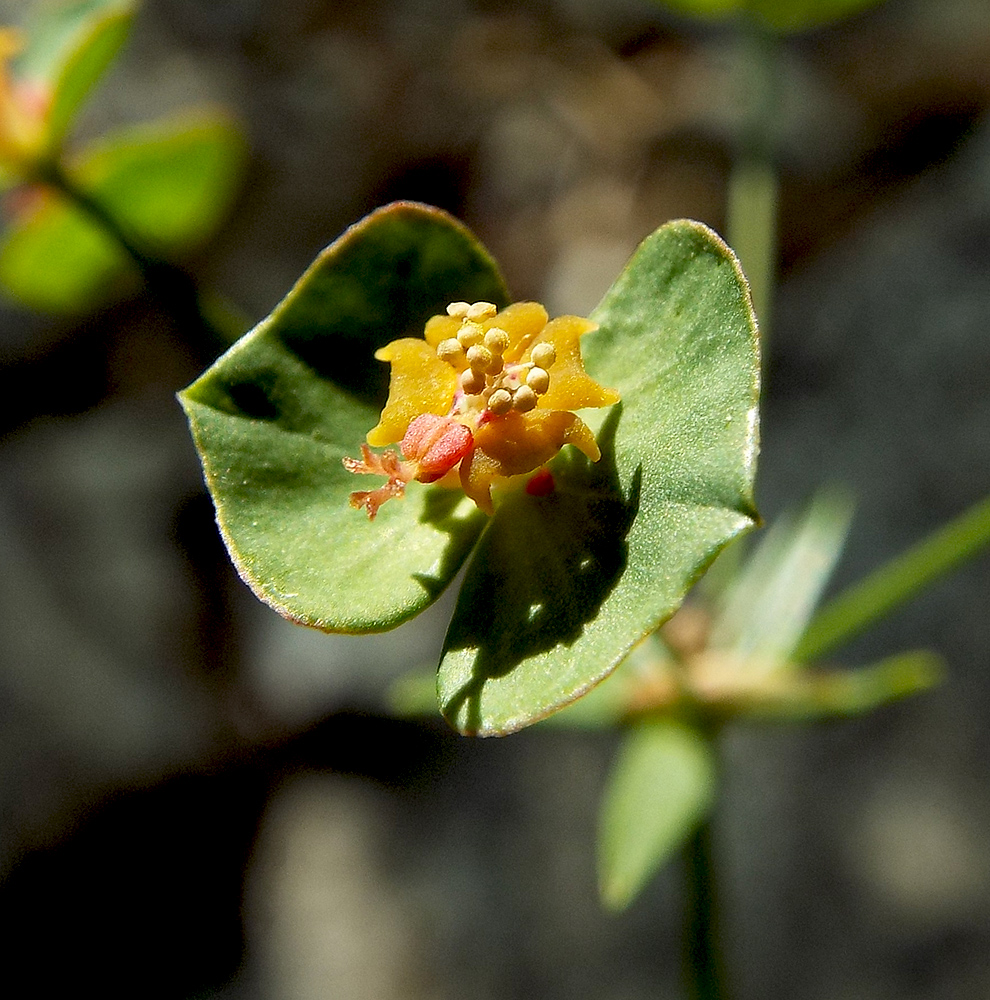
x=24, y=110
x=485, y=396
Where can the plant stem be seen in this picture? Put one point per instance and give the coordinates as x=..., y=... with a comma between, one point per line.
x=751, y=211
x=702, y=952
x=701, y=948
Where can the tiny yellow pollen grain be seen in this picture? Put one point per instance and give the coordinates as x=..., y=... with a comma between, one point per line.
x=482, y=310
x=470, y=334
x=523, y=399
x=543, y=355
x=538, y=380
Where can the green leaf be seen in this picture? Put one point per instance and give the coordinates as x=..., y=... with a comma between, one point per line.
x=897, y=581
x=661, y=787
x=167, y=186
x=69, y=48
x=816, y=694
x=562, y=587
x=772, y=599
x=60, y=260
x=273, y=418
x=783, y=15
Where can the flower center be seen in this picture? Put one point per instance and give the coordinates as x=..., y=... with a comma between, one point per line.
x=488, y=386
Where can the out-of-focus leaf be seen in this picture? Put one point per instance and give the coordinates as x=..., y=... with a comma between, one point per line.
x=57, y=259
x=561, y=587
x=896, y=582
x=273, y=418
x=170, y=184
x=772, y=599
x=69, y=48
x=166, y=186
x=783, y=15
x=660, y=788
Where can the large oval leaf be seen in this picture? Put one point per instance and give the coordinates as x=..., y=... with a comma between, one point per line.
x=562, y=587
x=273, y=418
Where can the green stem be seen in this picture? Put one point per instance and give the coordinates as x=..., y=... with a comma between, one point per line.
x=702, y=952
x=701, y=947
x=902, y=578
x=751, y=211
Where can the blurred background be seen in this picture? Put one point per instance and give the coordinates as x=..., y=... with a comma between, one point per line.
x=198, y=799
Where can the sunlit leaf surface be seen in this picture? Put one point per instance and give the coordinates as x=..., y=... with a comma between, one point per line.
x=273, y=418
x=561, y=587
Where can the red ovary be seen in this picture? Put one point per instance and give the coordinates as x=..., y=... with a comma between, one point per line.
x=436, y=444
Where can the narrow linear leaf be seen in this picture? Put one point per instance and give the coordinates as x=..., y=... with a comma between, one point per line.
x=661, y=787
x=898, y=581
x=814, y=694
x=775, y=594
x=275, y=415
x=562, y=587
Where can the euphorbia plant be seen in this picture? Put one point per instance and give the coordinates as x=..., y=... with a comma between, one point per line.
x=565, y=577
x=576, y=556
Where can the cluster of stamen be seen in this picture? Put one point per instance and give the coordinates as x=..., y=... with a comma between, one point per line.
x=487, y=380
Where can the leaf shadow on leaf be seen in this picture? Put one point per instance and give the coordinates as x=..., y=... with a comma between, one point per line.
x=382, y=280
x=254, y=399
x=542, y=570
x=440, y=510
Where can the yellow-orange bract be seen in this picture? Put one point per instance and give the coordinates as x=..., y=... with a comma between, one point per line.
x=512, y=378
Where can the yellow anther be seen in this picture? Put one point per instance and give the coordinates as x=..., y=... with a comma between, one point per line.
x=479, y=358
x=496, y=340
x=500, y=402
x=472, y=382
x=482, y=310
x=543, y=355
x=458, y=309
x=538, y=380
x=470, y=334
x=523, y=399
x=449, y=350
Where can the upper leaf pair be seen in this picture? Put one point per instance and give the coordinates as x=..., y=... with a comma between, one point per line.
x=561, y=585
